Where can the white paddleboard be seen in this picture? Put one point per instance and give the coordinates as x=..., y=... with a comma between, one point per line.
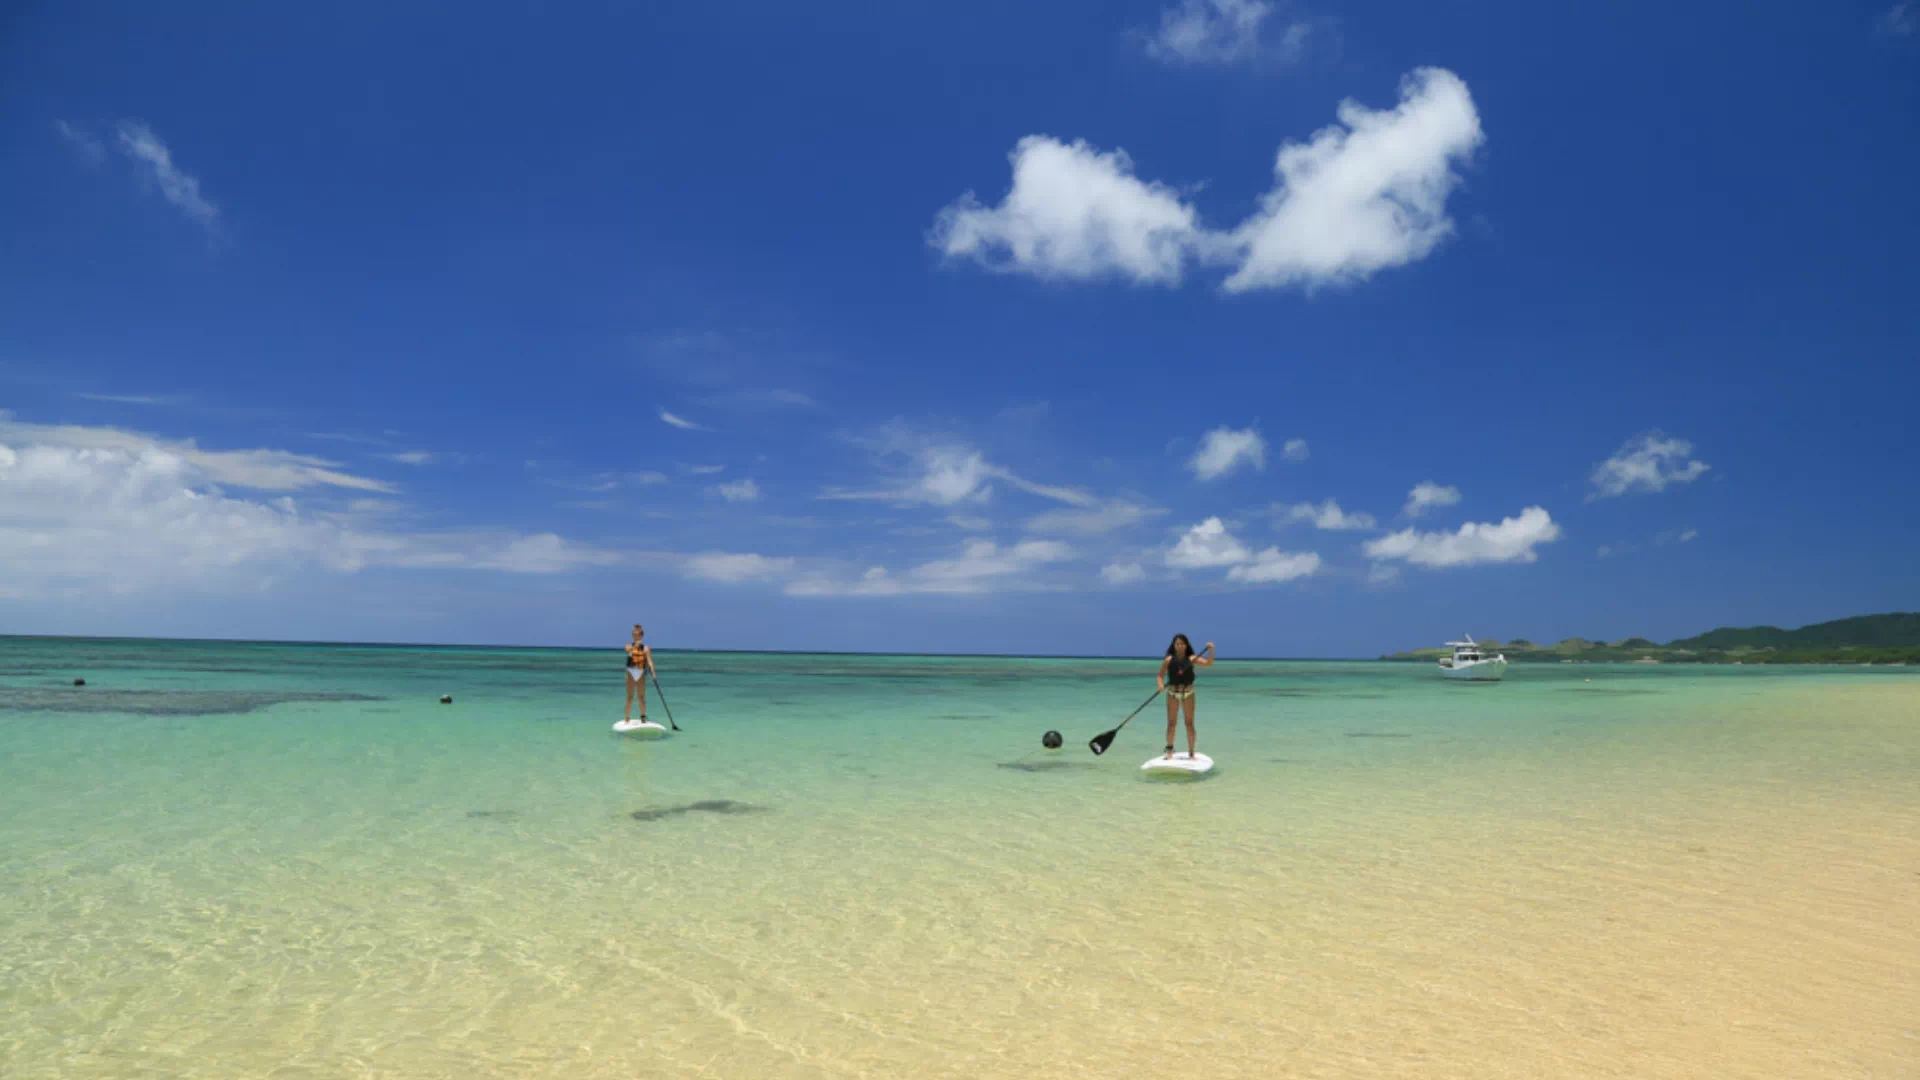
x=1181, y=764
x=641, y=729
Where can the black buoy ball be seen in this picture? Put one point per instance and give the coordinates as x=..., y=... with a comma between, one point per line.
x=446, y=699
x=79, y=682
x=1051, y=740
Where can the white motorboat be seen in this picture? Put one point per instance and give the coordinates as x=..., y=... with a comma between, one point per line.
x=1471, y=663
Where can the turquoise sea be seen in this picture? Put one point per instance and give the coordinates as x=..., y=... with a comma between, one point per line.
x=265, y=860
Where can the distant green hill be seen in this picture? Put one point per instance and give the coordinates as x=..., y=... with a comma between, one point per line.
x=1897, y=630
x=1866, y=639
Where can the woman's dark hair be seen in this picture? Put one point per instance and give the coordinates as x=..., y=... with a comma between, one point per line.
x=1180, y=638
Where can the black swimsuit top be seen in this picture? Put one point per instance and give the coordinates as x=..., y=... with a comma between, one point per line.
x=1179, y=672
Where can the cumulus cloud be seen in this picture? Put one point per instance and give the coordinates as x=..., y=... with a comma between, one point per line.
x=1427, y=495
x=1207, y=546
x=68, y=513
x=738, y=491
x=1118, y=573
x=680, y=422
x=1365, y=197
x=981, y=566
x=1327, y=515
x=732, y=568
x=1223, y=32
x=177, y=186
x=1273, y=566
x=1646, y=463
x=1075, y=214
x=1225, y=449
x=1366, y=194
x=1510, y=541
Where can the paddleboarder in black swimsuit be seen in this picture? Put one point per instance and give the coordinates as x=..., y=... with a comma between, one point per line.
x=1176, y=678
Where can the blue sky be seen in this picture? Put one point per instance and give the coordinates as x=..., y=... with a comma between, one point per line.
x=988, y=328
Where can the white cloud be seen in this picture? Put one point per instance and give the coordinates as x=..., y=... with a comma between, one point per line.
x=1328, y=515
x=135, y=399
x=1224, y=449
x=1207, y=546
x=1897, y=21
x=1073, y=213
x=738, y=491
x=1382, y=574
x=731, y=568
x=1512, y=540
x=1123, y=573
x=679, y=422
x=426, y=457
x=1273, y=566
x=260, y=470
x=981, y=566
x=1366, y=197
x=181, y=189
x=1092, y=521
x=1605, y=551
x=1688, y=534
x=948, y=473
x=1221, y=32
x=91, y=150
x=704, y=470
x=969, y=522
x=1295, y=450
x=1649, y=462
x=1427, y=495
x=1363, y=195
x=69, y=513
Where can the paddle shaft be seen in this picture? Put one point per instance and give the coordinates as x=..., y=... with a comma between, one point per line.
x=1099, y=743
x=658, y=689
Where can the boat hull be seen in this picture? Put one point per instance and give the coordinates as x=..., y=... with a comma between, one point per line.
x=1481, y=671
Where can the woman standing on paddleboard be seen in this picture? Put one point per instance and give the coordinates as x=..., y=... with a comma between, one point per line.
x=1176, y=678
x=639, y=666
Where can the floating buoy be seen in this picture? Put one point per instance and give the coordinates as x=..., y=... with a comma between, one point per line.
x=446, y=699
x=1051, y=740
x=79, y=682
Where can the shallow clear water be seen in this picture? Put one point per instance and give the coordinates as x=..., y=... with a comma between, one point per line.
x=247, y=860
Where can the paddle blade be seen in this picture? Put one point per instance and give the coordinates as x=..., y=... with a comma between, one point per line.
x=1099, y=743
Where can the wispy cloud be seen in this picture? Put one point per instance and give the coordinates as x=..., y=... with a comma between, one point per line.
x=1123, y=573
x=946, y=472
x=427, y=457
x=177, y=186
x=683, y=424
x=1511, y=541
x=153, y=400
x=1224, y=32
x=982, y=566
x=1646, y=463
x=738, y=491
x=1897, y=21
x=1096, y=520
x=260, y=470
x=90, y=150
x=1428, y=495
x=1225, y=449
x=1364, y=195
x=731, y=568
x=1295, y=451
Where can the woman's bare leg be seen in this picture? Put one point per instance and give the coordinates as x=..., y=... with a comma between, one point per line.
x=1190, y=703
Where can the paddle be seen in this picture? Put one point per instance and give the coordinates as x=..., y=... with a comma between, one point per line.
x=1099, y=743
x=663, y=700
